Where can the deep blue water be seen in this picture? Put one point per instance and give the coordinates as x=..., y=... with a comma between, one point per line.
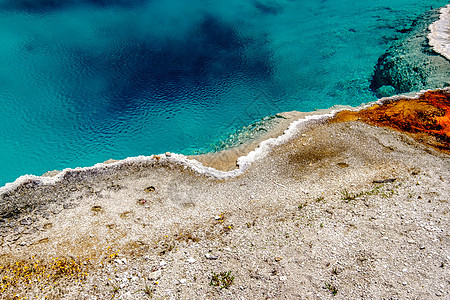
x=82, y=81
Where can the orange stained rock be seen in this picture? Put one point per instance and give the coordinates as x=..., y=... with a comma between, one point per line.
x=426, y=118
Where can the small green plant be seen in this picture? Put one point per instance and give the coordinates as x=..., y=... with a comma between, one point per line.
x=377, y=190
x=148, y=290
x=115, y=290
x=319, y=199
x=335, y=271
x=346, y=196
x=332, y=288
x=223, y=279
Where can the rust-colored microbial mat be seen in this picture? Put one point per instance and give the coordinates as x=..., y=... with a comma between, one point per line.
x=426, y=118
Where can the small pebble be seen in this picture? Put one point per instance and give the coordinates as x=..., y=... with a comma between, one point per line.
x=150, y=189
x=123, y=285
x=183, y=280
x=404, y=283
x=283, y=278
x=155, y=275
x=27, y=221
x=191, y=260
x=210, y=256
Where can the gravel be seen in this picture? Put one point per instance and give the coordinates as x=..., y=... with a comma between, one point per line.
x=306, y=221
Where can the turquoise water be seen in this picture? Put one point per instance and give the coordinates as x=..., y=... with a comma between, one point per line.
x=83, y=81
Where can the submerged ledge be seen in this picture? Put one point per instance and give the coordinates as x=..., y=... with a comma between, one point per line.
x=439, y=36
x=244, y=157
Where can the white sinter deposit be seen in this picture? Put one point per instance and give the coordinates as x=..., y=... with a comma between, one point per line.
x=439, y=36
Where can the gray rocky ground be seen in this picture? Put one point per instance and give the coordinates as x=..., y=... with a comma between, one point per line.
x=308, y=221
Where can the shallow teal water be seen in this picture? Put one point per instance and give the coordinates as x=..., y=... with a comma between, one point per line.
x=83, y=81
